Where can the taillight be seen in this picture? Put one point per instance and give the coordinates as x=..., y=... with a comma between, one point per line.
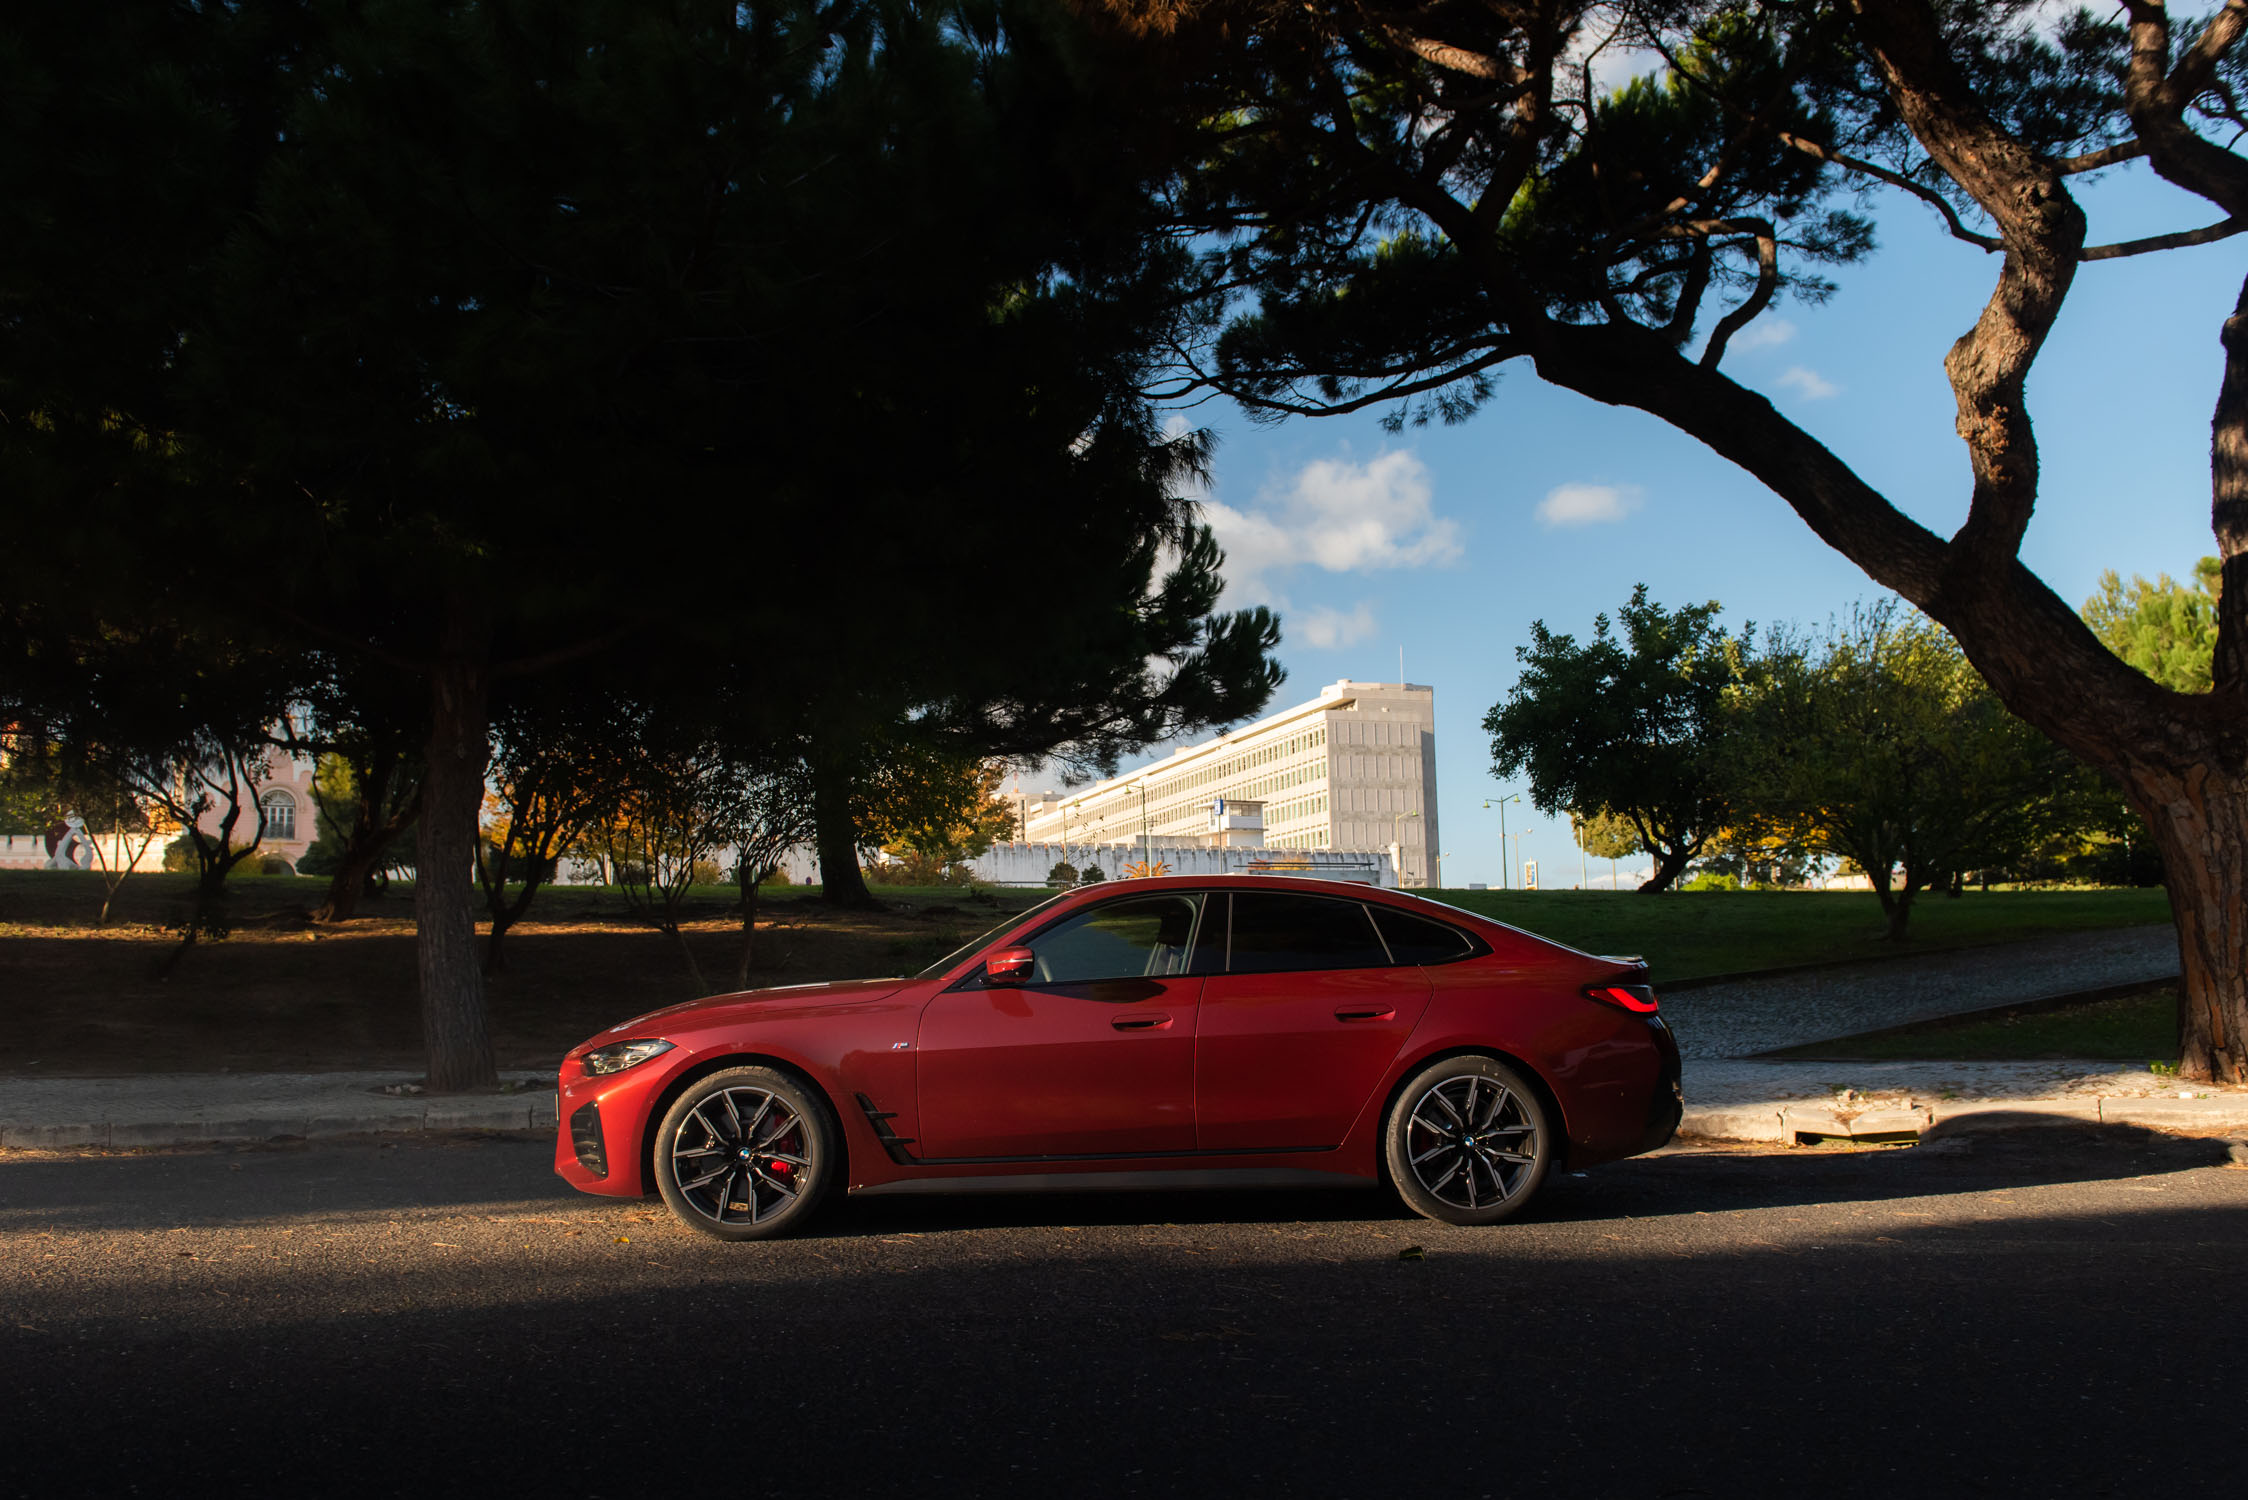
x=1639, y=999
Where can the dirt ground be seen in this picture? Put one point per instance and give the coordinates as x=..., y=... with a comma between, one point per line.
x=281, y=995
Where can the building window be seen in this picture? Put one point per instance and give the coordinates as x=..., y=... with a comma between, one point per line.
x=279, y=810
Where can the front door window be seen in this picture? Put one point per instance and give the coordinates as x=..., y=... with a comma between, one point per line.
x=1093, y=1057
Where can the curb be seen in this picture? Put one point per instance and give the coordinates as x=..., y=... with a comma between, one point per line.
x=524, y=1115
x=1797, y=1123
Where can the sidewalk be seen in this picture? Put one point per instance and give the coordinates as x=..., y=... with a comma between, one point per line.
x=1743, y=1101
x=1791, y=1101
x=164, y=1109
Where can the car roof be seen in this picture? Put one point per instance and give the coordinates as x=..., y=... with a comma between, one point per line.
x=1348, y=890
x=1312, y=886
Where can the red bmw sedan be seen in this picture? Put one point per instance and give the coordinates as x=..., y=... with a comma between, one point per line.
x=1250, y=1031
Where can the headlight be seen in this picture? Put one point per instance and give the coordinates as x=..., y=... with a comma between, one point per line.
x=618, y=1056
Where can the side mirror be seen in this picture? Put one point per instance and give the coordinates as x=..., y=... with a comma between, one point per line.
x=1009, y=966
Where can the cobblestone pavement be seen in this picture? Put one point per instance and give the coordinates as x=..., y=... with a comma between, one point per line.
x=1755, y=1015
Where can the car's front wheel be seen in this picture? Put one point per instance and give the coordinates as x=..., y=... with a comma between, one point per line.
x=746, y=1153
x=1467, y=1141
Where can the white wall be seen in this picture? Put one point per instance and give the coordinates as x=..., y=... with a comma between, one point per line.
x=1028, y=864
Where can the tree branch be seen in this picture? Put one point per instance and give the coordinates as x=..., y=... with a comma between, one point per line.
x=1396, y=390
x=2208, y=234
x=523, y=666
x=1926, y=194
x=1767, y=281
x=2092, y=161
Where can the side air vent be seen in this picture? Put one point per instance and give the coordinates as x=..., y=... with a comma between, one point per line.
x=585, y=1139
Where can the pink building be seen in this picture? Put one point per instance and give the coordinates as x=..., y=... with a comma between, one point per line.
x=283, y=793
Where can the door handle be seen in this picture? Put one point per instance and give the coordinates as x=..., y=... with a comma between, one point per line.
x=1366, y=1013
x=1141, y=1023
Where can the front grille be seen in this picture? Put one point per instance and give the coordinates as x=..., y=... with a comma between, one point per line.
x=585, y=1139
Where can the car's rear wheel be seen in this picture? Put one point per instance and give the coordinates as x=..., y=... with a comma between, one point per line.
x=746, y=1153
x=1467, y=1141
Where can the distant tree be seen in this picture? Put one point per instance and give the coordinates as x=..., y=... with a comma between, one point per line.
x=40, y=786
x=773, y=815
x=1631, y=724
x=364, y=724
x=559, y=766
x=1604, y=835
x=178, y=721
x=1882, y=745
x=683, y=801
x=2166, y=629
x=201, y=773
x=941, y=806
x=130, y=823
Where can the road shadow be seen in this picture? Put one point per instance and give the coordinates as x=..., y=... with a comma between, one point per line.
x=1950, y=1360
x=241, y=1185
x=1680, y=1181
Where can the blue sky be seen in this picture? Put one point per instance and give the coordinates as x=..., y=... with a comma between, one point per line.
x=1448, y=542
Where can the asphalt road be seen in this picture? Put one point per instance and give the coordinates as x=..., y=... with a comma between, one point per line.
x=2005, y=1316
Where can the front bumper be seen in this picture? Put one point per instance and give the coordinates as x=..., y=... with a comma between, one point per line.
x=601, y=1125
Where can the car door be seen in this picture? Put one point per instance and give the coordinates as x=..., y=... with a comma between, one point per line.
x=1297, y=1031
x=1092, y=1056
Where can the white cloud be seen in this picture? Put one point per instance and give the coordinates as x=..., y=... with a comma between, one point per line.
x=1329, y=629
x=1588, y=504
x=1764, y=333
x=1810, y=383
x=1338, y=516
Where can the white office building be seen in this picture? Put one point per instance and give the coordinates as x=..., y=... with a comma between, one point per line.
x=1354, y=769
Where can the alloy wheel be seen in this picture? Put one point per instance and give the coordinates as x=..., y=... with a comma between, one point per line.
x=1471, y=1143
x=741, y=1156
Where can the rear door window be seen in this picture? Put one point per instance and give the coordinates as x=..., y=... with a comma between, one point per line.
x=1417, y=940
x=1276, y=931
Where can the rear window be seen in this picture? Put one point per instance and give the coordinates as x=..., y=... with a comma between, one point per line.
x=1417, y=940
x=1273, y=931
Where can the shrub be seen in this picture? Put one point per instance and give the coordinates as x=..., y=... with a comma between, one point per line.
x=1093, y=876
x=1063, y=874
x=915, y=868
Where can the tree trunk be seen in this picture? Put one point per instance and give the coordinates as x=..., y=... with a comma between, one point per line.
x=355, y=871
x=841, y=884
x=495, y=956
x=2200, y=823
x=749, y=933
x=1896, y=901
x=687, y=954
x=1669, y=865
x=455, y=1036
x=363, y=848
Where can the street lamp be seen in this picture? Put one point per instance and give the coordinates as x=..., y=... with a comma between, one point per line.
x=1500, y=803
x=1397, y=844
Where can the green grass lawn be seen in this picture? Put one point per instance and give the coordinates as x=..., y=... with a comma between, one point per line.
x=1692, y=934
x=2139, y=1028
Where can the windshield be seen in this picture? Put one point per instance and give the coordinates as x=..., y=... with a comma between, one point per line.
x=961, y=952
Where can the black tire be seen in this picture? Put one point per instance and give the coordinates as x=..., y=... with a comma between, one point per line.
x=747, y=1153
x=1467, y=1141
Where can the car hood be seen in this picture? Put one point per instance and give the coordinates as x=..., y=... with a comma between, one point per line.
x=744, y=1004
